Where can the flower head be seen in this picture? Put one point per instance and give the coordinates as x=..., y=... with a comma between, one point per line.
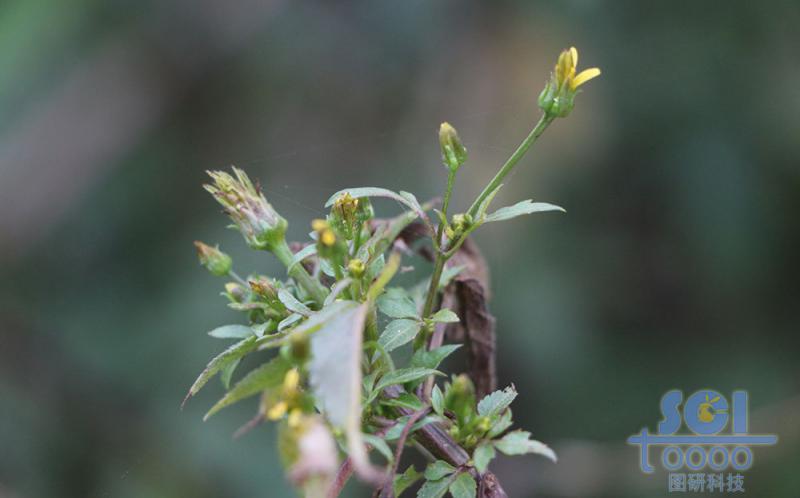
x=244, y=203
x=557, y=98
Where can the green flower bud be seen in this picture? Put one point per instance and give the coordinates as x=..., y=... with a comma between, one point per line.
x=215, y=261
x=264, y=288
x=260, y=225
x=454, y=154
x=356, y=267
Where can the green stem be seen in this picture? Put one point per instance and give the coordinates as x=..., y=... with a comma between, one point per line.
x=315, y=289
x=512, y=161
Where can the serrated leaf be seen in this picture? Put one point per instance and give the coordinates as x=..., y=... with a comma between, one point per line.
x=438, y=469
x=396, y=303
x=437, y=400
x=268, y=376
x=398, y=333
x=444, y=316
x=404, y=375
x=380, y=445
x=522, y=208
x=503, y=422
x=335, y=372
x=520, y=443
x=232, y=332
x=405, y=400
x=434, y=489
x=432, y=358
x=463, y=486
x=300, y=255
x=405, y=480
x=219, y=362
x=496, y=402
x=292, y=304
x=396, y=430
x=482, y=456
x=227, y=372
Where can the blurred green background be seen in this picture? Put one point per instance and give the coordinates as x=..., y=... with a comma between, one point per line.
x=675, y=267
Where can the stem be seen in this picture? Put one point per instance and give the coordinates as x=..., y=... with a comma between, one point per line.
x=315, y=289
x=512, y=161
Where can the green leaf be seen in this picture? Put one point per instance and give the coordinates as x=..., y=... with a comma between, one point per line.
x=444, y=316
x=232, y=332
x=464, y=486
x=432, y=358
x=405, y=480
x=483, y=455
x=405, y=400
x=396, y=303
x=437, y=400
x=496, y=402
x=227, y=372
x=449, y=273
x=268, y=376
x=292, y=304
x=407, y=200
x=225, y=358
x=300, y=255
x=337, y=289
x=335, y=372
x=519, y=443
x=404, y=375
x=396, y=430
x=434, y=489
x=289, y=321
x=521, y=208
x=380, y=445
x=500, y=426
x=485, y=204
x=438, y=469
x=398, y=333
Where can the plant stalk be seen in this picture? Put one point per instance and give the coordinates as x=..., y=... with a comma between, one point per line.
x=315, y=289
x=512, y=161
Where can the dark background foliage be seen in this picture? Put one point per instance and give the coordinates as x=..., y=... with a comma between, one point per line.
x=675, y=267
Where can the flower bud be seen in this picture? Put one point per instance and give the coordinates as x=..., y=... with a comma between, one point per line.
x=235, y=292
x=215, y=261
x=260, y=225
x=558, y=97
x=356, y=268
x=454, y=154
x=264, y=288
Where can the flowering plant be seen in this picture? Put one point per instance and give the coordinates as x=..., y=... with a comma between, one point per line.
x=337, y=322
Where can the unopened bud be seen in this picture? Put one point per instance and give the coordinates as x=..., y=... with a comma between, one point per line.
x=356, y=267
x=215, y=261
x=454, y=154
x=264, y=288
x=235, y=292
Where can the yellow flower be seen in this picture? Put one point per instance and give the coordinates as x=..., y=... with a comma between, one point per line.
x=324, y=232
x=566, y=68
x=558, y=97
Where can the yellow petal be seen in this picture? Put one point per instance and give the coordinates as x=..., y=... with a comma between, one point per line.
x=584, y=76
x=277, y=411
x=574, y=52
